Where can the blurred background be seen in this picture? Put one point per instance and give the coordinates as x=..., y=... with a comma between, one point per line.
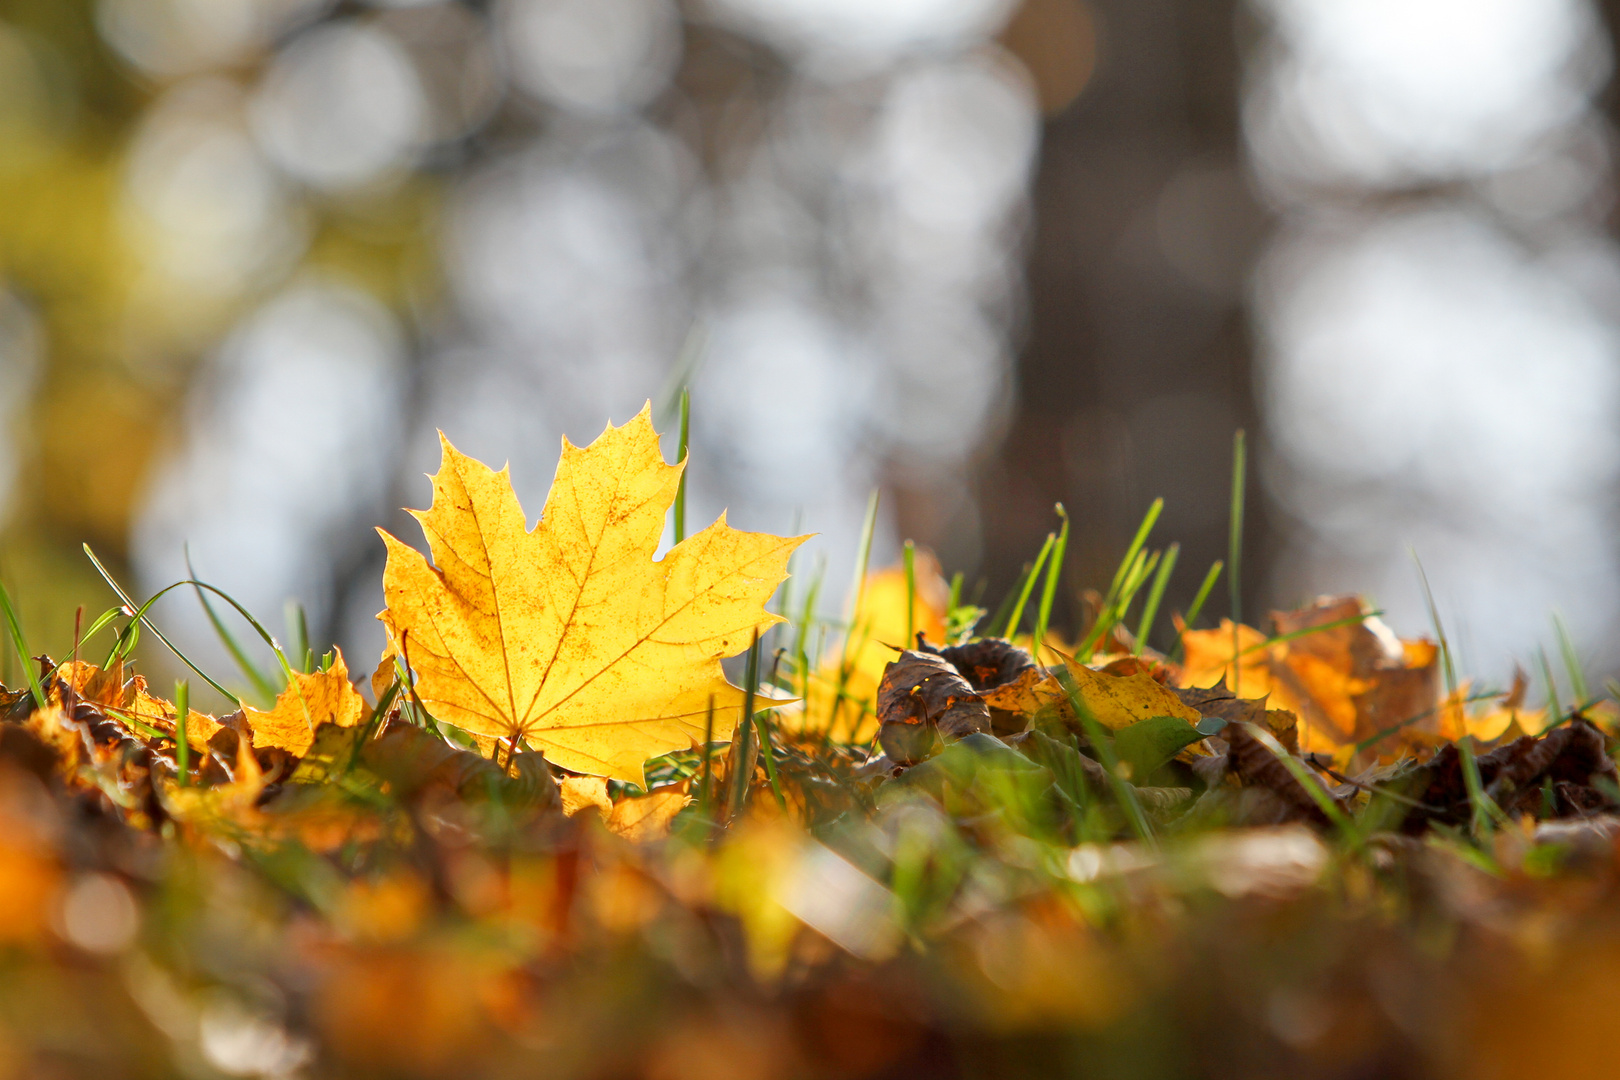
x=985, y=255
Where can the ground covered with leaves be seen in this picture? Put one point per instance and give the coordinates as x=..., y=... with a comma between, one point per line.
x=552, y=838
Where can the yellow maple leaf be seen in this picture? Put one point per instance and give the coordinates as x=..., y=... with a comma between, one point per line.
x=322, y=697
x=570, y=636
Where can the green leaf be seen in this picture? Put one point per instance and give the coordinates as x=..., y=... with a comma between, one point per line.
x=1148, y=744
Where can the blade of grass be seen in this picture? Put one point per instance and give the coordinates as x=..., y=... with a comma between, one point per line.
x=680, y=490
x=1572, y=659
x=182, y=747
x=911, y=594
x=743, y=749
x=1234, y=553
x=1554, y=707
x=20, y=643
x=1196, y=608
x=1150, y=610
x=708, y=760
x=997, y=625
x=763, y=728
x=1483, y=808
x=298, y=633
x=1138, y=542
x=1126, y=566
x=1114, y=611
x=1124, y=793
x=1024, y=594
x=260, y=682
x=1054, y=570
x=1319, y=795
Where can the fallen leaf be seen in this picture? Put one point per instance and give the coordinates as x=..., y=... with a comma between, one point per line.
x=579, y=792
x=570, y=636
x=1345, y=676
x=322, y=697
x=1115, y=701
x=988, y=664
x=922, y=694
x=1148, y=744
x=648, y=817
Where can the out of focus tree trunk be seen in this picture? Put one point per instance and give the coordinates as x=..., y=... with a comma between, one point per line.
x=1135, y=367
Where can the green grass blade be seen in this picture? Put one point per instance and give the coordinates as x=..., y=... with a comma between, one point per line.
x=1054, y=571
x=1196, y=608
x=1150, y=610
x=260, y=682
x=680, y=491
x=1572, y=659
x=141, y=617
x=1024, y=594
x=911, y=594
x=1234, y=539
x=1124, y=793
x=1319, y=795
x=1139, y=541
x=182, y=748
x=20, y=643
x=1554, y=706
x=298, y=632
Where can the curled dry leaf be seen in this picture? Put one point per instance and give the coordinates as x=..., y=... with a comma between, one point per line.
x=989, y=664
x=570, y=636
x=920, y=695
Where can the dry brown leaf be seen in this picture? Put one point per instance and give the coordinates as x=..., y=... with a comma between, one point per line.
x=922, y=694
x=570, y=637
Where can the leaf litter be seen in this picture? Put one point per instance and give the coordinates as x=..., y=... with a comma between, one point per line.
x=558, y=839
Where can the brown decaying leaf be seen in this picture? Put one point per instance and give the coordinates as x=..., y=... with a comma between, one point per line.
x=989, y=664
x=1257, y=766
x=920, y=696
x=1559, y=774
x=1219, y=703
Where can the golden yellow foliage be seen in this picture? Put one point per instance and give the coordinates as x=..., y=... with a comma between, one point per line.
x=1115, y=701
x=1345, y=675
x=310, y=700
x=570, y=636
